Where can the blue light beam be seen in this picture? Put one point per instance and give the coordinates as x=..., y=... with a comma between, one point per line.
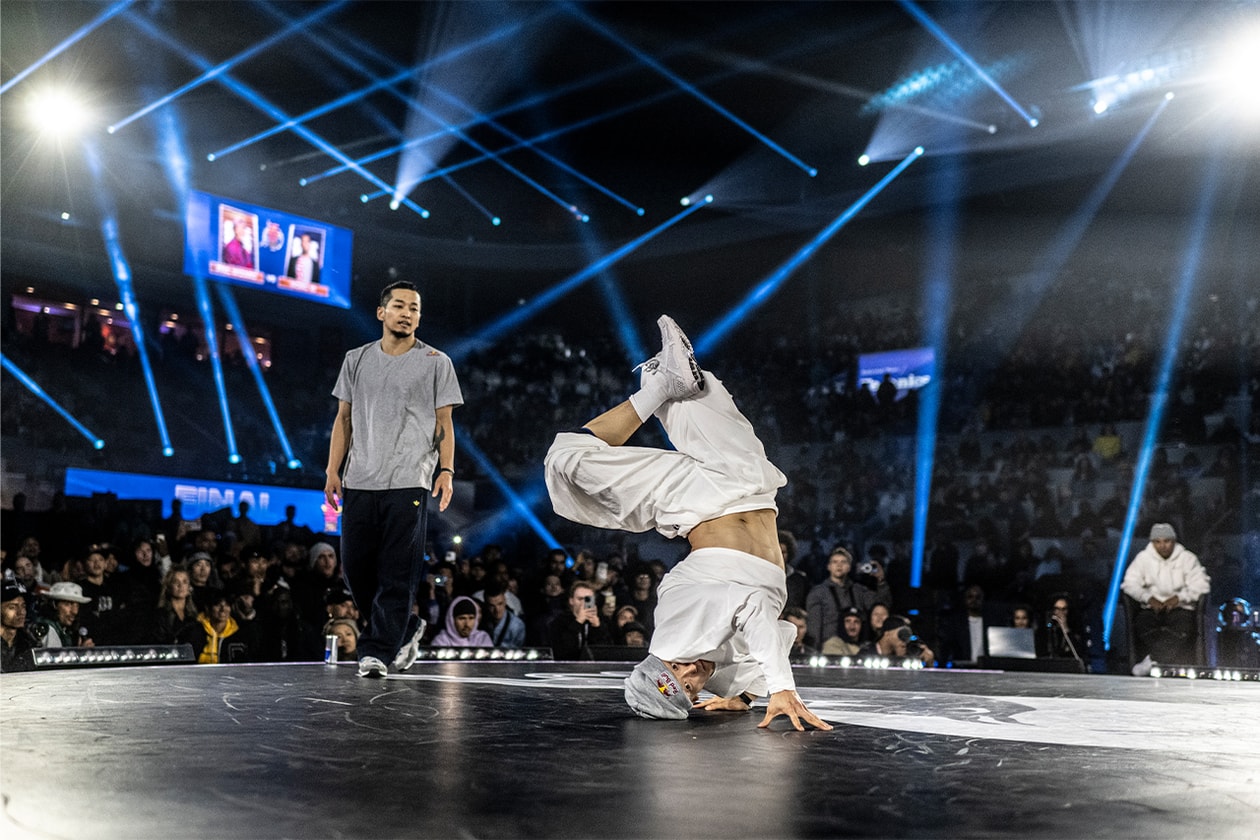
x=67, y=43
x=942, y=36
x=32, y=386
x=1162, y=384
x=288, y=123
x=942, y=237
x=762, y=292
x=228, y=300
x=493, y=331
x=121, y=270
x=220, y=69
x=216, y=364
x=687, y=86
x=515, y=500
x=255, y=99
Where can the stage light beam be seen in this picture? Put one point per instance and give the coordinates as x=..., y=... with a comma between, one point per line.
x=716, y=333
x=32, y=386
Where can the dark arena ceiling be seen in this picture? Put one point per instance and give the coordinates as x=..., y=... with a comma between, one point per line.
x=565, y=120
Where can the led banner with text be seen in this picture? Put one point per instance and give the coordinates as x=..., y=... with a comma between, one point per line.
x=909, y=369
x=248, y=245
x=200, y=496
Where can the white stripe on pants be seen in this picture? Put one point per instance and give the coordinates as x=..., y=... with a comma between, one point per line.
x=720, y=467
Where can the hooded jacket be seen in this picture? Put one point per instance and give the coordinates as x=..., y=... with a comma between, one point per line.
x=450, y=637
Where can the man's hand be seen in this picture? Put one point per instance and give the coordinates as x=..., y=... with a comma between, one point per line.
x=788, y=703
x=444, y=485
x=332, y=490
x=723, y=704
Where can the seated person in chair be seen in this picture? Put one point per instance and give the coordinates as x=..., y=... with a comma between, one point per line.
x=1166, y=579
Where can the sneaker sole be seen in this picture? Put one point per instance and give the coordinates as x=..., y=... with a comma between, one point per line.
x=670, y=331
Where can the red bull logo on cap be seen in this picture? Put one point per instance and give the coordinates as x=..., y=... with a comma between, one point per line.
x=665, y=684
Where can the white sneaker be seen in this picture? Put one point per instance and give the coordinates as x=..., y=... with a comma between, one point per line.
x=1143, y=668
x=679, y=374
x=370, y=666
x=409, y=652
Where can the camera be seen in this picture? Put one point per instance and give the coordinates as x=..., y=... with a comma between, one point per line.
x=439, y=580
x=867, y=574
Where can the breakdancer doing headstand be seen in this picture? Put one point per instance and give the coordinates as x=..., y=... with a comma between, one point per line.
x=717, y=611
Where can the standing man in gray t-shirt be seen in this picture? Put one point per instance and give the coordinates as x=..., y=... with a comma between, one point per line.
x=393, y=430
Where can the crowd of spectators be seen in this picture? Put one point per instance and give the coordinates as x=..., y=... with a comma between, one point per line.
x=1039, y=434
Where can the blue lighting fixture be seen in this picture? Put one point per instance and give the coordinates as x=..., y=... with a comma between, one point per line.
x=219, y=69
x=121, y=270
x=515, y=500
x=767, y=287
x=577, y=12
x=493, y=331
x=216, y=364
x=67, y=43
x=1162, y=383
x=228, y=300
x=255, y=99
x=941, y=35
x=32, y=386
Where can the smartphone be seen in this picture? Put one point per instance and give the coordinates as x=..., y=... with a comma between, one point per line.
x=588, y=602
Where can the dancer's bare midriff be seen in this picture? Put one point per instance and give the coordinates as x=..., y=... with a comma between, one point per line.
x=753, y=532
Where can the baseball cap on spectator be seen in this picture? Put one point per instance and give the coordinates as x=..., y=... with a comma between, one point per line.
x=337, y=595
x=10, y=590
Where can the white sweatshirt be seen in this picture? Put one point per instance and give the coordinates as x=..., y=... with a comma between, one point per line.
x=1151, y=576
x=723, y=605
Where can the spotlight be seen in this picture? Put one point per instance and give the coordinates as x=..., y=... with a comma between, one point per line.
x=234, y=458
x=301, y=182
x=295, y=464
x=1100, y=106
x=168, y=451
x=496, y=221
x=457, y=539
x=1238, y=70
x=864, y=160
x=65, y=217
x=993, y=129
x=638, y=211
x=813, y=173
x=918, y=150
x=1168, y=96
x=424, y=214
x=57, y=112
x=363, y=198
x=209, y=157
x=393, y=205
x=708, y=199
x=1034, y=122
x=98, y=444
x=685, y=201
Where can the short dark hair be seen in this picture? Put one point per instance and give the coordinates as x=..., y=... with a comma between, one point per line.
x=388, y=291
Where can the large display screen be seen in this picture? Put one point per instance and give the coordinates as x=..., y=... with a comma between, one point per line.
x=909, y=369
x=199, y=496
x=261, y=248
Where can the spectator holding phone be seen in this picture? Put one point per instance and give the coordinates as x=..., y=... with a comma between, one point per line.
x=570, y=634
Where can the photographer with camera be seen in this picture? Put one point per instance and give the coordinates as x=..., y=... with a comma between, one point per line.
x=828, y=601
x=896, y=640
x=572, y=633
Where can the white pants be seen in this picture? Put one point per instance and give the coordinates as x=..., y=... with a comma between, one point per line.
x=719, y=467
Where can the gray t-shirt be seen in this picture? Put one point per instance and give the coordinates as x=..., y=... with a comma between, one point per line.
x=393, y=414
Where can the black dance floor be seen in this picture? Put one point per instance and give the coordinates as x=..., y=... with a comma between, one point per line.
x=498, y=749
